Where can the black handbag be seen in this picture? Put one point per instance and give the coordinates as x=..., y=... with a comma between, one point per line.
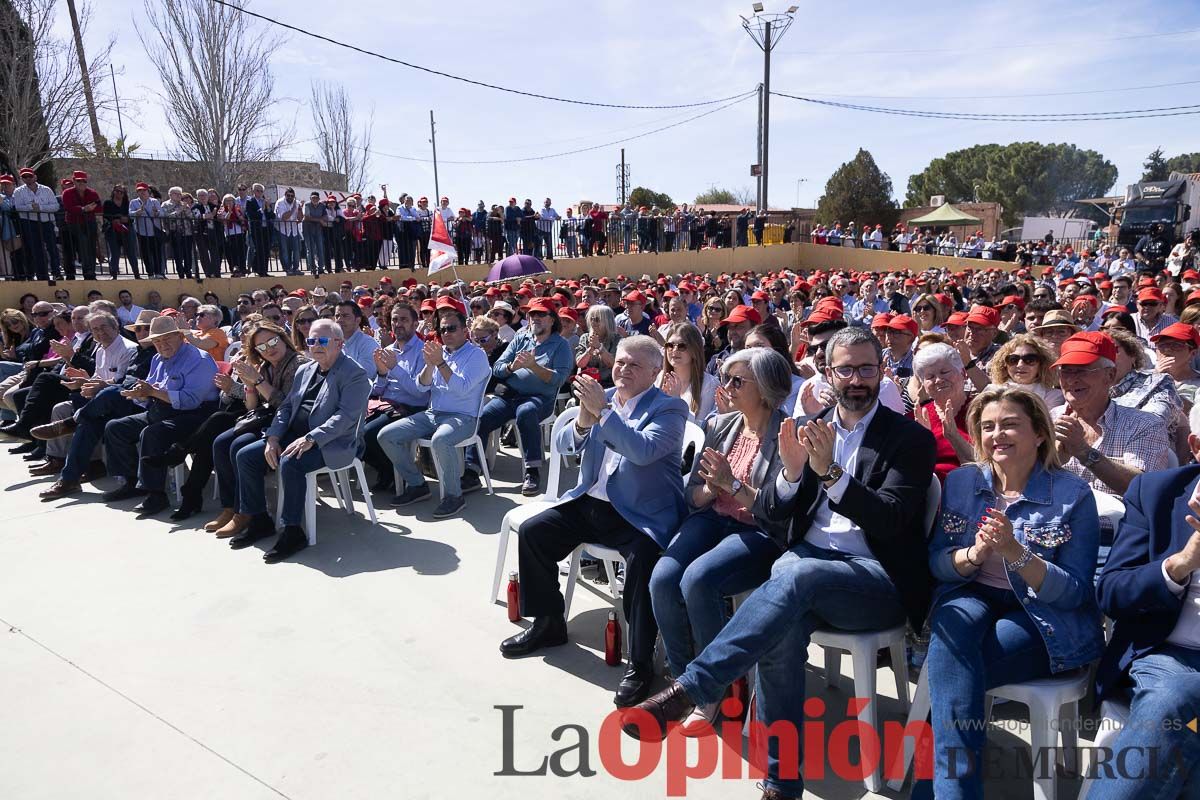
x=255, y=420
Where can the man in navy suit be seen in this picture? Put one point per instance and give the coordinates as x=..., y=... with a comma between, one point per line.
x=629, y=498
x=1150, y=587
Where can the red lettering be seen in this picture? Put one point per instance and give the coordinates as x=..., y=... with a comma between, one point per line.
x=649, y=747
x=814, y=740
x=896, y=740
x=678, y=768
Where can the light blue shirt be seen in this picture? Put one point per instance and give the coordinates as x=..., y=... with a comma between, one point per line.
x=361, y=348
x=860, y=309
x=469, y=374
x=400, y=384
x=830, y=530
x=145, y=224
x=186, y=376
x=554, y=354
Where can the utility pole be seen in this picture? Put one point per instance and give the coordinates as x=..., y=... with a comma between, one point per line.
x=623, y=177
x=97, y=137
x=766, y=30
x=437, y=192
x=120, y=125
x=758, y=153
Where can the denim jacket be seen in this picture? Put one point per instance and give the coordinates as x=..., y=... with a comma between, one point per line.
x=1056, y=517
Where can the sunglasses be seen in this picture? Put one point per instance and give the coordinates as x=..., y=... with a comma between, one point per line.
x=676, y=346
x=1028, y=359
x=448, y=329
x=1149, y=304
x=922, y=309
x=314, y=341
x=736, y=381
x=42, y=313
x=267, y=345
x=306, y=321
x=481, y=339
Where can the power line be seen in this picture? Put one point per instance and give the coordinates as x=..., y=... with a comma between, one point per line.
x=451, y=76
x=1085, y=116
x=1114, y=90
x=740, y=99
x=1005, y=47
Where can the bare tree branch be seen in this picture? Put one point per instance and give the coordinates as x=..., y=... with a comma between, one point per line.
x=217, y=85
x=43, y=112
x=333, y=125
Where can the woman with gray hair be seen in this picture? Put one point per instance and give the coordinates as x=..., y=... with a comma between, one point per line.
x=598, y=346
x=943, y=378
x=208, y=335
x=725, y=546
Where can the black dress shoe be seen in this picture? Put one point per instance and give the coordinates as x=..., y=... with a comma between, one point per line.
x=190, y=506
x=670, y=705
x=635, y=686
x=26, y=448
x=290, y=542
x=154, y=503
x=544, y=632
x=15, y=429
x=126, y=492
x=260, y=527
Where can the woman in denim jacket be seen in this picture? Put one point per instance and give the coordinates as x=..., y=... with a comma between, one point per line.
x=1014, y=553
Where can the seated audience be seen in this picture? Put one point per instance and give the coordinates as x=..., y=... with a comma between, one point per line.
x=395, y=393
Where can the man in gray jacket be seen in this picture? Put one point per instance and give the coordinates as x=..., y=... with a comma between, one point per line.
x=317, y=426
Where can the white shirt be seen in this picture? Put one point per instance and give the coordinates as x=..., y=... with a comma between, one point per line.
x=23, y=199
x=288, y=227
x=830, y=530
x=127, y=316
x=608, y=464
x=113, y=361
x=889, y=394
x=1187, y=628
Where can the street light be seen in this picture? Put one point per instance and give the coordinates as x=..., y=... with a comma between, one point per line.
x=766, y=30
x=798, y=182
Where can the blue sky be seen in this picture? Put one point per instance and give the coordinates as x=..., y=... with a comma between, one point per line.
x=670, y=52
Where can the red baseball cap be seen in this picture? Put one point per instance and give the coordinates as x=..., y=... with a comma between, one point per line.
x=739, y=314
x=761, y=295
x=542, y=305
x=428, y=305
x=1152, y=293
x=569, y=312
x=451, y=303
x=634, y=297
x=984, y=315
x=881, y=320
x=1086, y=348
x=903, y=322
x=955, y=320
x=1180, y=331
x=819, y=316
x=1013, y=300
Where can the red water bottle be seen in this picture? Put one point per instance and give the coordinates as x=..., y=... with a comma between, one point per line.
x=612, y=641
x=740, y=691
x=514, y=598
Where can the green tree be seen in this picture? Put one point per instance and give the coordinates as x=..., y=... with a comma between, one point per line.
x=641, y=196
x=1186, y=163
x=858, y=191
x=1155, y=166
x=715, y=196
x=1026, y=178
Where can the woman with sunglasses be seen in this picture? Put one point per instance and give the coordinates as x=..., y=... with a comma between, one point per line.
x=302, y=319
x=683, y=374
x=710, y=327
x=15, y=327
x=725, y=547
x=1024, y=362
x=927, y=311
x=597, y=348
x=264, y=378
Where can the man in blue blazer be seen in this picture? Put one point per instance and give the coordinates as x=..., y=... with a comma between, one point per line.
x=629, y=497
x=1150, y=587
x=316, y=426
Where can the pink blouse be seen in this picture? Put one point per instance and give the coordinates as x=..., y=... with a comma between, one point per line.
x=741, y=461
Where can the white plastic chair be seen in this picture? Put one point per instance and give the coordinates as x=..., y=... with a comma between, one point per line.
x=1114, y=715
x=517, y=516
x=1172, y=459
x=864, y=647
x=1110, y=508
x=231, y=351
x=342, y=490
x=472, y=440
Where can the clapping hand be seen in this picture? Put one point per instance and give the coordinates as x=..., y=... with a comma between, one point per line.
x=524, y=360
x=671, y=384
x=715, y=471
x=997, y=530
x=90, y=388
x=223, y=382
x=385, y=360
x=1070, y=436
x=590, y=394
x=818, y=439
x=435, y=354
x=75, y=373
x=248, y=374
x=791, y=452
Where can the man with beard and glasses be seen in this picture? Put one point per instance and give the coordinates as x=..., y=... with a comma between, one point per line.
x=853, y=487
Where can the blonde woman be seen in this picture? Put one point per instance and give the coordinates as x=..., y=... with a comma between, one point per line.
x=1024, y=361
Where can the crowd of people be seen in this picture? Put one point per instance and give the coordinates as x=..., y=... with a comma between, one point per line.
x=74, y=232
x=829, y=402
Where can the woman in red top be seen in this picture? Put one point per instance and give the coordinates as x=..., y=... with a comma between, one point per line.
x=940, y=370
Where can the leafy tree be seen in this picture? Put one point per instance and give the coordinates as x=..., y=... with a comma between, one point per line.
x=1026, y=178
x=858, y=191
x=641, y=196
x=1187, y=163
x=715, y=196
x=1155, y=166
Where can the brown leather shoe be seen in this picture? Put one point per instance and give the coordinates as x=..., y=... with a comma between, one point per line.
x=236, y=524
x=60, y=489
x=670, y=705
x=221, y=521
x=53, y=430
x=51, y=466
x=773, y=794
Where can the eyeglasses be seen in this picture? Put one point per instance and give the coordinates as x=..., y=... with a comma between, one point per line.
x=675, y=346
x=306, y=321
x=1075, y=372
x=267, y=345
x=538, y=314
x=42, y=313
x=736, y=381
x=481, y=339
x=922, y=309
x=1149, y=304
x=448, y=329
x=1028, y=359
x=314, y=341
x=866, y=371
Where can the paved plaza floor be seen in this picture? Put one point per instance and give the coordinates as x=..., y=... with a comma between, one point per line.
x=145, y=660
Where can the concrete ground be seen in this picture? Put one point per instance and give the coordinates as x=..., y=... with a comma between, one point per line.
x=144, y=659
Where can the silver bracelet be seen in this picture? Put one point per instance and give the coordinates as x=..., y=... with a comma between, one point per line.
x=1022, y=562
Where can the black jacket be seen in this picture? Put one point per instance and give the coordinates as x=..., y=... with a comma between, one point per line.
x=885, y=497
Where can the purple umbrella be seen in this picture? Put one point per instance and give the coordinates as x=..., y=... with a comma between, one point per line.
x=516, y=266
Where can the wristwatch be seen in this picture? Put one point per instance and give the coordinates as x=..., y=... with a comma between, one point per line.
x=736, y=486
x=308, y=438
x=835, y=472
x=1091, y=457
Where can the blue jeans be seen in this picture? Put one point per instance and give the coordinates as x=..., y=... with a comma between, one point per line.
x=510, y=239
x=224, y=454
x=627, y=235
x=289, y=253
x=980, y=638
x=809, y=588
x=443, y=430
x=91, y=419
x=711, y=557
x=314, y=249
x=293, y=472
x=528, y=411
x=546, y=238
x=1166, y=688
